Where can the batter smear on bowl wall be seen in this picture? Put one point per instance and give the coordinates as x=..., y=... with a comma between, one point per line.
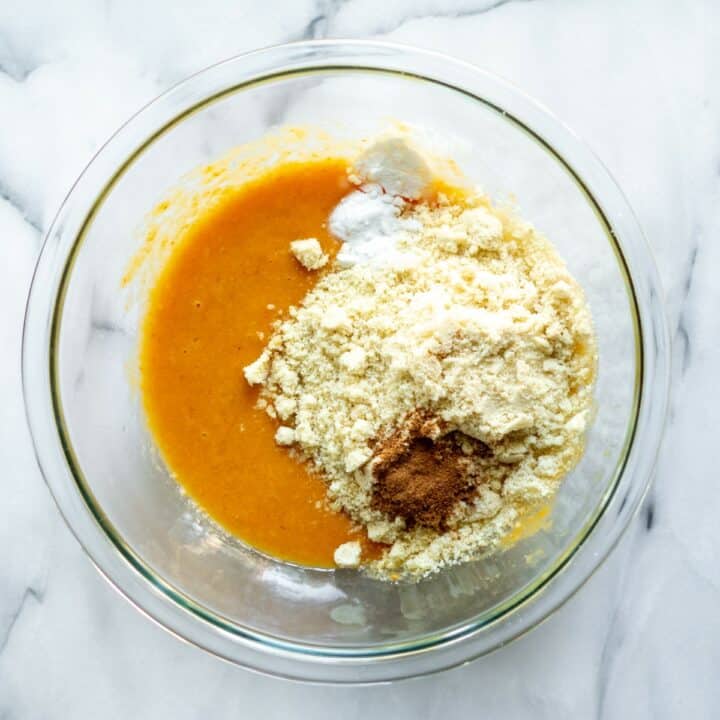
x=350, y=357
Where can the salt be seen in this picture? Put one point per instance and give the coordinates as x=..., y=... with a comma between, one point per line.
x=369, y=224
x=369, y=221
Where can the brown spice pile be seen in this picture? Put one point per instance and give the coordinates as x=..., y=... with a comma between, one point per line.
x=421, y=474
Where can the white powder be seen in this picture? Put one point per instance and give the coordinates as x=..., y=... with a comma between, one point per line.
x=369, y=220
x=369, y=224
x=396, y=166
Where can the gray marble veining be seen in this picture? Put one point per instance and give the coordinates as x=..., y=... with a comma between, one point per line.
x=640, y=81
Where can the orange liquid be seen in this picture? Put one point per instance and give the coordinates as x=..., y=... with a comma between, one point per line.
x=205, y=313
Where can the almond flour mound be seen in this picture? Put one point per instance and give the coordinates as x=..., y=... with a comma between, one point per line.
x=474, y=320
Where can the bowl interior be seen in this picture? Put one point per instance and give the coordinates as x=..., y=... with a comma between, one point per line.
x=142, y=508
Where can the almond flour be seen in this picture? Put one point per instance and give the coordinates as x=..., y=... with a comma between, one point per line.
x=474, y=320
x=309, y=253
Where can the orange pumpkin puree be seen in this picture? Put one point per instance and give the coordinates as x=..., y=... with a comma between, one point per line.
x=210, y=314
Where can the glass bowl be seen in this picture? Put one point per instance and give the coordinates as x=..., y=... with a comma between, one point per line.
x=171, y=560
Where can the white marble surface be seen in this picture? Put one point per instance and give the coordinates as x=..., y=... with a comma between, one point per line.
x=640, y=81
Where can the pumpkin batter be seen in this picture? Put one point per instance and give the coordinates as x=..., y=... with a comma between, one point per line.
x=209, y=314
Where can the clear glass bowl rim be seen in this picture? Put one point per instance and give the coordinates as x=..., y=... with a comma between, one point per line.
x=169, y=608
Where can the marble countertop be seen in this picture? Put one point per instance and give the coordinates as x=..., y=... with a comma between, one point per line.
x=640, y=81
